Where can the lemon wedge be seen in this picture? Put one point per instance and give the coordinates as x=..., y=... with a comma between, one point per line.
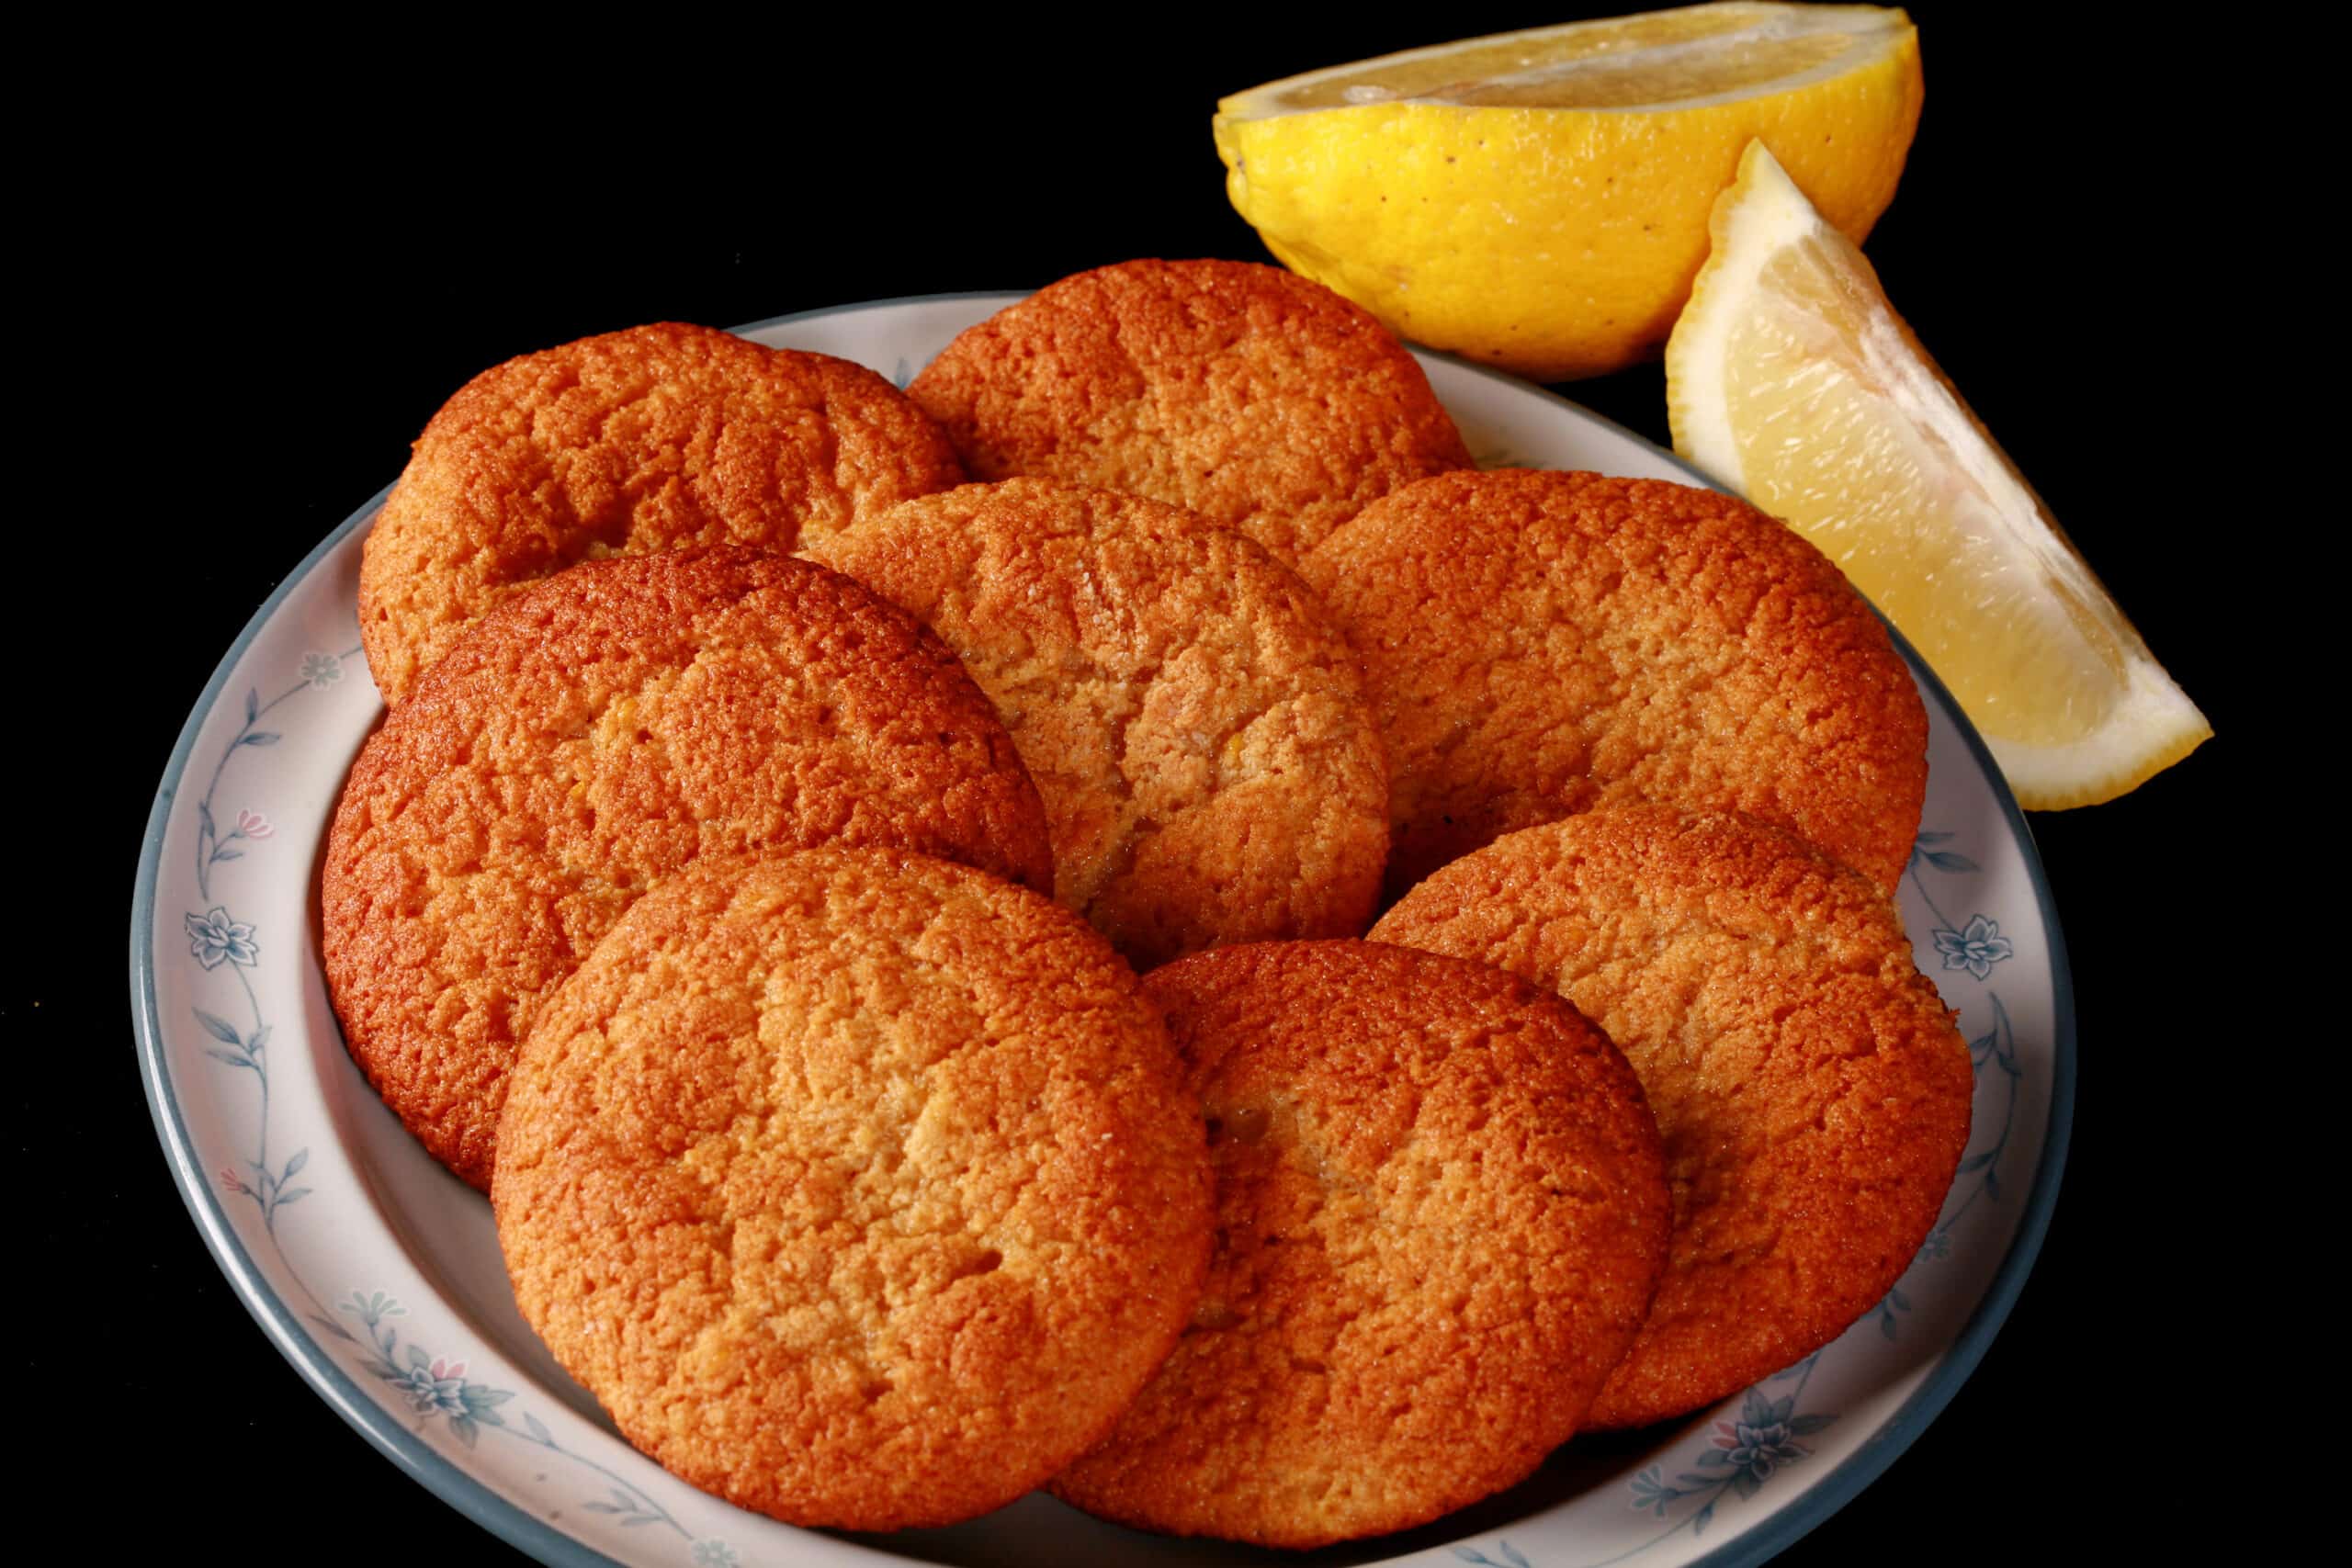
x=1792, y=380
x=1538, y=200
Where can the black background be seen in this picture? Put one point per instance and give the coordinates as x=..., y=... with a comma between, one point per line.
x=291, y=269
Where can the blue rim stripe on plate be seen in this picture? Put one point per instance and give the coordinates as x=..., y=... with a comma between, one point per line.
x=521, y=1528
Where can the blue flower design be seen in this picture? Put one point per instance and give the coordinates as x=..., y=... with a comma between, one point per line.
x=216, y=937
x=1742, y=1456
x=1976, y=949
x=431, y=1386
x=1755, y=1452
x=715, y=1554
x=435, y=1387
x=438, y=1387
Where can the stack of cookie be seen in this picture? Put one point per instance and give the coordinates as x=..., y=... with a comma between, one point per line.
x=894, y=950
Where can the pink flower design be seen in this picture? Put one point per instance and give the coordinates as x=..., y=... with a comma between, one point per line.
x=446, y=1369
x=252, y=825
x=229, y=1180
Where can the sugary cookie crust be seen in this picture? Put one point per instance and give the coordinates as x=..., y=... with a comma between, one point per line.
x=1196, y=725
x=1441, y=1213
x=1256, y=398
x=860, y=1188
x=1811, y=1087
x=594, y=734
x=661, y=437
x=1541, y=644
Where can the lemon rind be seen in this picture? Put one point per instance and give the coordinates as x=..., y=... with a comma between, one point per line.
x=2153, y=727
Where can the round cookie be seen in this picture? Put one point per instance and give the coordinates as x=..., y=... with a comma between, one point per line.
x=1541, y=644
x=1251, y=395
x=592, y=734
x=659, y=439
x=1441, y=1212
x=861, y=1188
x=1192, y=720
x=1811, y=1089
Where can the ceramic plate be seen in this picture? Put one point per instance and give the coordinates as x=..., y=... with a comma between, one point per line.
x=377, y=1274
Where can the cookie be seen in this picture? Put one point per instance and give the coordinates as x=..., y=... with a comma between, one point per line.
x=595, y=733
x=1251, y=395
x=659, y=439
x=1441, y=1212
x=1542, y=644
x=861, y=1188
x=1812, y=1091
x=1192, y=717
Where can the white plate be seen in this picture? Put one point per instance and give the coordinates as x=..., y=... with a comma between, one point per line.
x=377, y=1275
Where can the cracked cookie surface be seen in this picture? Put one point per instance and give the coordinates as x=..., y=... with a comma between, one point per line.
x=1440, y=1213
x=1195, y=723
x=1540, y=644
x=1256, y=398
x=595, y=733
x=1810, y=1085
x=661, y=437
x=860, y=1188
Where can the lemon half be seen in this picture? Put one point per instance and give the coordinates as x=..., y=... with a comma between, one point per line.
x=1538, y=200
x=1792, y=380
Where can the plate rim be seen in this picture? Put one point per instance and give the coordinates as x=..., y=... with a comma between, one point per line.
x=525, y=1531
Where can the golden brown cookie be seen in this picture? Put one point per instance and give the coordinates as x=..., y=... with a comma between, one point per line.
x=1812, y=1091
x=595, y=733
x=860, y=1188
x=659, y=439
x=1194, y=720
x=1541, y=644
x=1441, y=1212
x=1251, y=395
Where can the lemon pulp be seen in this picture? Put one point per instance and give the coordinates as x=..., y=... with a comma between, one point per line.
x=1792, y=380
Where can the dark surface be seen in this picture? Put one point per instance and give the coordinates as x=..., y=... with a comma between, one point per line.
x=293, y=277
